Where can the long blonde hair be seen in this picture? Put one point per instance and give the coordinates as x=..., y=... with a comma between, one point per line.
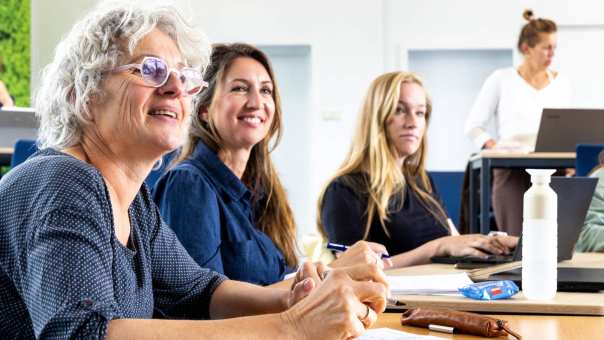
x=276, y=217
x=372, y=153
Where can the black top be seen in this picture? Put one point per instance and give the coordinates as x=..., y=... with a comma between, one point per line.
x=344, y=217
x=64, y=274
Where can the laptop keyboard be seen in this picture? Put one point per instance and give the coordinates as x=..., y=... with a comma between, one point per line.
x=488, y=259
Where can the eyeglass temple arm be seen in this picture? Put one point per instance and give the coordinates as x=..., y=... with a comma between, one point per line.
x=127, y=67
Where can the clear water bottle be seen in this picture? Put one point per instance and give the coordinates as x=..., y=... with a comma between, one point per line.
x=540, y=237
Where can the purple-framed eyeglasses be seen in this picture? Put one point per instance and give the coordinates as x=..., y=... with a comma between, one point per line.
x=155, y=72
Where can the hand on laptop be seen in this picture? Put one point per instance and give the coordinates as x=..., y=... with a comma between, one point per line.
x=475, y=245
x=510, y=242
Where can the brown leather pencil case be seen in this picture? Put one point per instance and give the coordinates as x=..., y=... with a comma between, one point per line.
x=461, y=322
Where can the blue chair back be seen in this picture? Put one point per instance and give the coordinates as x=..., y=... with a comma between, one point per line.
x=23, y=149
x=27, y=147
x=448, y=186
x=156, y=173
x=587, y=158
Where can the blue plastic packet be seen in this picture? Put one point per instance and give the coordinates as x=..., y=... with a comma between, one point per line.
x=490, y=290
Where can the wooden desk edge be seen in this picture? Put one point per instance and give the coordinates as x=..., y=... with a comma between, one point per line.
x=512, y=308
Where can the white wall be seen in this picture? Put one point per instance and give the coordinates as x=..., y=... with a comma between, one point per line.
x=352, y=41
x=477, y=24
x=346, y=53
x=292, y=157
x=453, y=77
x=50, y=20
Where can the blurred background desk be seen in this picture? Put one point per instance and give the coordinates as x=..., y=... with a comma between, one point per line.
x=542, y=327
x=15, y=123
x=5, y=155
x=480, y=178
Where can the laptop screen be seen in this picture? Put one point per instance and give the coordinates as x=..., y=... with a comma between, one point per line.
x=574, y=198
x=561, y=130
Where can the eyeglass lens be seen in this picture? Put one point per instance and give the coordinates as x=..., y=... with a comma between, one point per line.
x=155, y=71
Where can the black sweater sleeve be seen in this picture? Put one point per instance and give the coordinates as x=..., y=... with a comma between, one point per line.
x=343, y=214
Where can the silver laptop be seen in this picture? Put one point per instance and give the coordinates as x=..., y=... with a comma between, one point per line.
x=17, y=123
x=562, y=129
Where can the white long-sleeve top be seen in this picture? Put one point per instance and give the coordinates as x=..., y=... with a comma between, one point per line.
x=517, y=107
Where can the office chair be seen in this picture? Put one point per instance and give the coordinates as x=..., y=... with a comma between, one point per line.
x=156, y=173
x=23, y=149
x=448, y=186
x=27, y=147
x=587, y=158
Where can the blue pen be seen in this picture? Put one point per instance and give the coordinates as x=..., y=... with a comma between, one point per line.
x=343, y=248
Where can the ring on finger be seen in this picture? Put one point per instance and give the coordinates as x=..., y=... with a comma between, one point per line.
x=364, y=318
x=324, y=274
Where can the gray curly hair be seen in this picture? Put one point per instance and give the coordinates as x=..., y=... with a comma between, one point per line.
x=95, y=45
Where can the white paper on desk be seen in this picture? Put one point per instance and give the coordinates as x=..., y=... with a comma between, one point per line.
x=391, y=334
x=428, y=284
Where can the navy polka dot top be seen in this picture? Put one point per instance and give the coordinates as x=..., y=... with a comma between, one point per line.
x=64, y=274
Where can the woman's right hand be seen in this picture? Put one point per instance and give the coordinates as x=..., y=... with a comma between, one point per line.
x=340, y=307
x=471, y=245
x=363, y=252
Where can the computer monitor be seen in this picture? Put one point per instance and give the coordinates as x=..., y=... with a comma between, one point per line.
x=562, y=129
x=17, y=123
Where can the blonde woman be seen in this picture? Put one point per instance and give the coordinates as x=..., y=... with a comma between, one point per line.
x=382, y=192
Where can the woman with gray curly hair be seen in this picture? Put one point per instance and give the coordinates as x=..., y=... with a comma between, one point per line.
x=83, y=250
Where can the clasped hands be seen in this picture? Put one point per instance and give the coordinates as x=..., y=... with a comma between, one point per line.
x=339, y=302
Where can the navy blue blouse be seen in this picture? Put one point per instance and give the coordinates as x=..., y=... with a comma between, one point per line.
x=344, y=217
x=64, y=274
x=211, y=212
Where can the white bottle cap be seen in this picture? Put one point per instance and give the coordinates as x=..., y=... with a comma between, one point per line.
x=540, y=201
x=541, y=175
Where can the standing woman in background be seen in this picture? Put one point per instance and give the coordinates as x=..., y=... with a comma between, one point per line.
x=515, y=97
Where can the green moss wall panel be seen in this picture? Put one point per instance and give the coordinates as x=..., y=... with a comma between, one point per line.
x=15, y=48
